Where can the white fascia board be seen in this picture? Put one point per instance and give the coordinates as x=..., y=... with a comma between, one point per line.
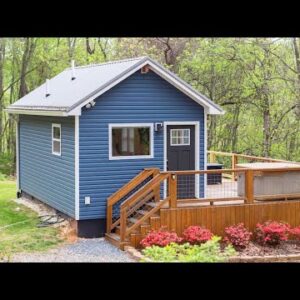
x=53, y=113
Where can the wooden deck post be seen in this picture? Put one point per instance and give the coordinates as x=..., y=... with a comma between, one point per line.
x=108, y=218
x=156, y=190
x=234, y=161
x=249, y=186
x=123, y=223
x=173, y=190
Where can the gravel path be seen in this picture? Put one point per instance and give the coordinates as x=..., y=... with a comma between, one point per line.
x=84, y=250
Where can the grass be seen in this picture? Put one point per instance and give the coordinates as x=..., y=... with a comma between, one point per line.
x=24, y=236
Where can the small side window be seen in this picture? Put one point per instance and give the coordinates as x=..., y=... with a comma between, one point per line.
x=56, y=139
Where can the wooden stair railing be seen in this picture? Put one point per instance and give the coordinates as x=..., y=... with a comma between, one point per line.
x=131, y=205
x=122, y=192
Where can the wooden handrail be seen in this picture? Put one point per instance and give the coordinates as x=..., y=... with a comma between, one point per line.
x=149, y=186
x=240, y=170
x=124, y=190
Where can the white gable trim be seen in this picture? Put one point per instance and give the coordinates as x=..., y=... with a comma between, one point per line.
x=54, y=113
x=162, y=73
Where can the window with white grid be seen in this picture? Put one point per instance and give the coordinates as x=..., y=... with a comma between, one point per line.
x=180, y=137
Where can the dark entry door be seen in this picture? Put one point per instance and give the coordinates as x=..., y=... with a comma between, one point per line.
x=181, y=156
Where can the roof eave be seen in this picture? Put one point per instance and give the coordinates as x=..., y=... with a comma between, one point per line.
x=37, y=112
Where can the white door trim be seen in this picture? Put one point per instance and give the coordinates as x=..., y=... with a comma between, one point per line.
x=197, y=150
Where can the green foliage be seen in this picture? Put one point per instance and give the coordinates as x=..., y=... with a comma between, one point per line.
x=206, y=252
x=253, y=79
x=6, y=165
x=2, y=177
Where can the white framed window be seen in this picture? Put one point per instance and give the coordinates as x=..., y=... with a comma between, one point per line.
x=180, y=137
x=130, y=141
x=56, y=139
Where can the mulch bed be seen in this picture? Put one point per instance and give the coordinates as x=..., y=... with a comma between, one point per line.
x=285, y=248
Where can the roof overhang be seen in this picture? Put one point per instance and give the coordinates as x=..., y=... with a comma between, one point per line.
x=39, y=112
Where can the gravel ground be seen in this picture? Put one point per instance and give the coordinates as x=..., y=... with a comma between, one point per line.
x=84, y=250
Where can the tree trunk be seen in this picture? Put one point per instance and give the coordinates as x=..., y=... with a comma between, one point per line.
x=27, y=55
x=266, y=129
x=234, y=131
x=2, y=54
x=297, y=61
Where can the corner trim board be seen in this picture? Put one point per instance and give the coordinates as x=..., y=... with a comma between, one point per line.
x=76, y=141
x=17, y=155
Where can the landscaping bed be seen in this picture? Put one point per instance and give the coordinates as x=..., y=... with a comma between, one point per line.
x=270, y=242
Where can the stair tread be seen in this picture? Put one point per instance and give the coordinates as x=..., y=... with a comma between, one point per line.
x=133, y=220
x=152, y=204
x=143, y=212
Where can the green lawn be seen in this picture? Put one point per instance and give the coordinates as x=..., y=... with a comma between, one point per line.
x=22, y=237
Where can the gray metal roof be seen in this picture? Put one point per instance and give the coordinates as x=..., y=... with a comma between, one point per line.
x=67, y=94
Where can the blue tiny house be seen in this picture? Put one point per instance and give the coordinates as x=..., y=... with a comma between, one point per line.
x=89, y=130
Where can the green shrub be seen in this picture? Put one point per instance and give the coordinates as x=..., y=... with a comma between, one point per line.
x=6, y=164
x=206, y=252
x=3, y=177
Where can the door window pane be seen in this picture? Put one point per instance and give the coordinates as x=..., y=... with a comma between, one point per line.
x=180, y=137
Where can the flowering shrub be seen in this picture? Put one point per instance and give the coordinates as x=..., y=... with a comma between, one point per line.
x=196, y=235
x=209, y=251
x=295, y=232
x=160, y=238
x=271, y=232
x=238, y=236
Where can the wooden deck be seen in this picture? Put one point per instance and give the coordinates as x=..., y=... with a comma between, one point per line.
x=217, y=217
x=144, y=209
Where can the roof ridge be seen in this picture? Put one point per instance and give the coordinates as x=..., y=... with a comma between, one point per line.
x=108, y=62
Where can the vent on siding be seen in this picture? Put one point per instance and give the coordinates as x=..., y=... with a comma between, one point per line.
x=145, y=69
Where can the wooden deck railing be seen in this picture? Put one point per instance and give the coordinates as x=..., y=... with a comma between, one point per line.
x=228, y=190
x=236, y=158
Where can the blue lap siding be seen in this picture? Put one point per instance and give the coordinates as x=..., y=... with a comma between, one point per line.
x=141, y=98
x=43, y=175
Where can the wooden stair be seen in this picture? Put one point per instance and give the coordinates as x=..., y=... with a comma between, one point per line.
x=138, y=234
x=139, y=212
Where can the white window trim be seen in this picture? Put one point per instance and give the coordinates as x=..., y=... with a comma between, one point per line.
x=121, y=125
x=183, y=144
x=55, y=139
